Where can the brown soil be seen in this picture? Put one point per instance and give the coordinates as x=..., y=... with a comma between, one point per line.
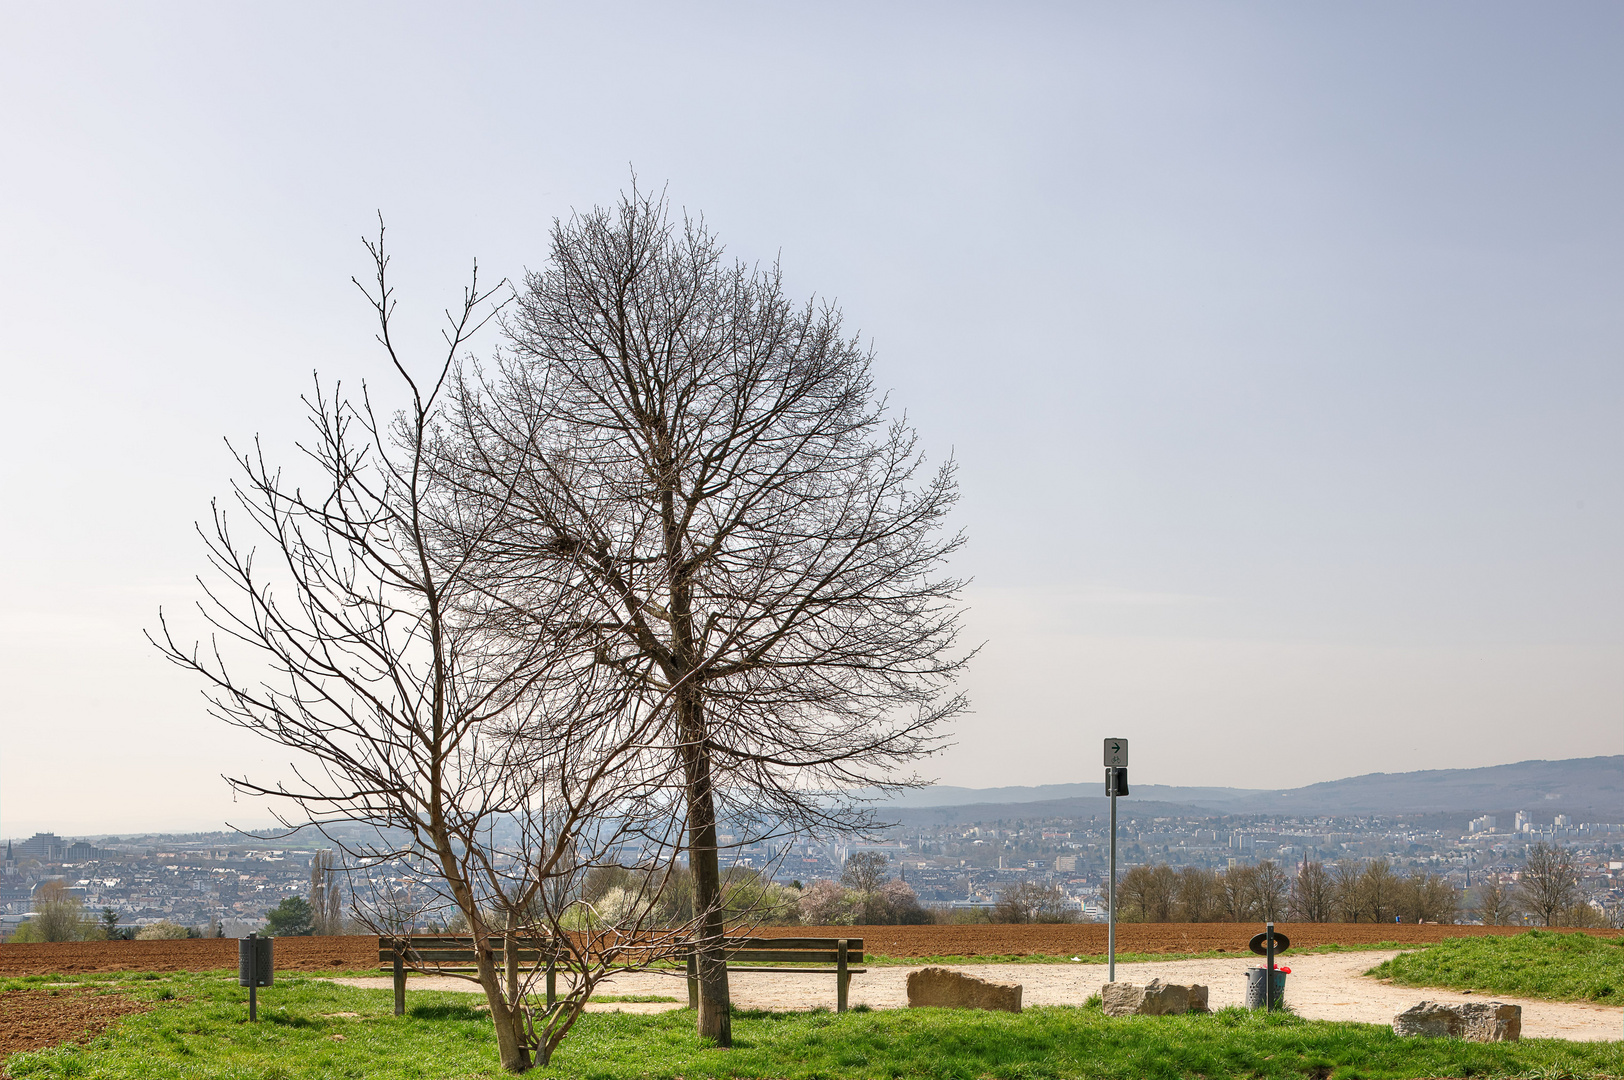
x=35, y=1019
x=195, y=954
x=1088, y=939
x=1079, y=939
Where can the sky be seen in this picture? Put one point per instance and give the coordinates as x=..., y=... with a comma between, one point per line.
x=1279, y=345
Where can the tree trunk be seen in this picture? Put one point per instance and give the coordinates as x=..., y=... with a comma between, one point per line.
x=715, y=1017
x=513, y=1051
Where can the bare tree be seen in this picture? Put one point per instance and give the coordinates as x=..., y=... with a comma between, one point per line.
x=1149, y=893
x=492, y=785
x=1271, y=888
x=1347, y=899
x=1379, y=891
x=58, y=914
x=1549, y=883
x=695, y=484
x=864, y=874
x=1312, y=894
x=1427, y=898
x=1495, y=903
x=1198, y=895
x=1033, y=902
x=1239, y=893
x=326, y=894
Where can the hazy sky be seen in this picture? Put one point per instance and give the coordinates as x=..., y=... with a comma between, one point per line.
x=1280, y=345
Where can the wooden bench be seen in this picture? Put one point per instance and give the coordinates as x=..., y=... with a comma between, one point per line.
x=455, y=953
x=835, y=956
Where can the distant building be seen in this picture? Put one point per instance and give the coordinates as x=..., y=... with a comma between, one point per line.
x=1065, y=864
x=1523, y=823
x=1563, y=821
x=1486, y=823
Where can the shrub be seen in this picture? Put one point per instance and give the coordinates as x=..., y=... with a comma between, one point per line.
x=162, y=931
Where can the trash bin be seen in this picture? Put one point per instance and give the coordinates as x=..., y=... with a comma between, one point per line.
x=1255, y=978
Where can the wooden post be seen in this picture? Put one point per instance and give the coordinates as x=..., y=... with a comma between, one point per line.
x=400, y=983
x=693, y=979
x=842, y=977
x=552, y=983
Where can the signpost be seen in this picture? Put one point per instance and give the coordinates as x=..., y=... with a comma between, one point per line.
x=1116, y=783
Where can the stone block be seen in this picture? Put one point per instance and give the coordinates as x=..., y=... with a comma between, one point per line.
x=1476, y=1021
x=944, y=988
x=1155, y=998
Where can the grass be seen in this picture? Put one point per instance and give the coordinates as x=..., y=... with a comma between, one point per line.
x=201, y=1032
x=1539, y=964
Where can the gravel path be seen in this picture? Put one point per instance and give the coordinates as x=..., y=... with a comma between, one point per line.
x=1326, y=986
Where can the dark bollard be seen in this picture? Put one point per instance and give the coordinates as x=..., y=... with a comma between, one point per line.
x=255, y=968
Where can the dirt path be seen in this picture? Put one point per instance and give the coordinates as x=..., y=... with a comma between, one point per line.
x=1326, y=986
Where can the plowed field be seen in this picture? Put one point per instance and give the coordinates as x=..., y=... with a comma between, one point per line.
x=1085, y=939
x=196, y=954
x=35, y=1019
x=1081, y=939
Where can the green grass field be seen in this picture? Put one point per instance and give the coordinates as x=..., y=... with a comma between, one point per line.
x=1563, y=967
x=198, y=1029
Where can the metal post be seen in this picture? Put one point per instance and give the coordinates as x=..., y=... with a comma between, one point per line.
x=253, y=1002
x=1110, y=893
x=1268, y=974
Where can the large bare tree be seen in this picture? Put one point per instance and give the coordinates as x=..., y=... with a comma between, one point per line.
x=485, y=775
x=1549, y=882
x=696, y=483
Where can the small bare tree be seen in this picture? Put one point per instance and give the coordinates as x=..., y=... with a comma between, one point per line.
x=326, y=894
x=697, y=486
x=1312, y=894
x=1198, y=895
x=1549, y=883
x=1271, y=889
x=492, y=786
x=1346, y=899
x=1148, y=893
x=1033, y=902
x=1239, y=893
x=1379, y=891
x=1495, y=903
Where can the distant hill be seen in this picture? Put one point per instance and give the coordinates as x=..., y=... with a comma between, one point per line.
x=1588, y=789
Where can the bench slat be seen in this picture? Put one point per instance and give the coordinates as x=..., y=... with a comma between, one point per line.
x=800, y=971
x=455, y=954
x=853, y=944
x=769, y=956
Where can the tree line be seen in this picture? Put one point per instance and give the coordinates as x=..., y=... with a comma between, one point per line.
x=1547, y=889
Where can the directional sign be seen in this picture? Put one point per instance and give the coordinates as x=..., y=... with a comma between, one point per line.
x=1116, y=753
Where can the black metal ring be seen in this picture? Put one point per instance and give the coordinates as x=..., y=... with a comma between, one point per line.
x=1260, y=943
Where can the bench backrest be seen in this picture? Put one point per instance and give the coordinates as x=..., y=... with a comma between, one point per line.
x=787, y=950
x=454, y=949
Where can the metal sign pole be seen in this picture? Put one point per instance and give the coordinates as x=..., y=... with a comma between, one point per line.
x=1110, y=895
x=1116, y=783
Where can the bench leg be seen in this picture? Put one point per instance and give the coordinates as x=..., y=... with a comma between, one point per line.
x=842, y=978
x=552, y=985
x=693, y=981
x=400, y=986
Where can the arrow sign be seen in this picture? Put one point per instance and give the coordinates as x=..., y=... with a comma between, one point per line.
x=1116, y=753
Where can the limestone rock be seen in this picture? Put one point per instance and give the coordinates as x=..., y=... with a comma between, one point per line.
x=1155, y=998
x=1476, y=1021
x=944, y=988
